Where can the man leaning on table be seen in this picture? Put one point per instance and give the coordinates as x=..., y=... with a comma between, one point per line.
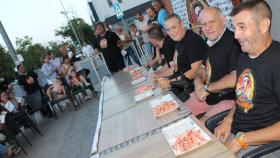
x=190, y=49
x=255, y=118
x=215, y=80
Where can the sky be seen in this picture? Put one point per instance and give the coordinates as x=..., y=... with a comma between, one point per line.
x=38, y=18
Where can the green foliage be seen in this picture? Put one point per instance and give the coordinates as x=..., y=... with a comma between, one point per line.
x=83, y=30
x=7, y=65
x=31, y=52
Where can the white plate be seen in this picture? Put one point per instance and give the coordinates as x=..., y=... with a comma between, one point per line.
x=140, y=80
x=159, y=101
x=178, y=129
x=144, y=95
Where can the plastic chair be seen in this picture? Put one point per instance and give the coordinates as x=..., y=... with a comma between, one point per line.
x=265, y=149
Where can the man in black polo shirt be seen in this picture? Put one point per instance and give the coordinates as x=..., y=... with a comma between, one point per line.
x=256, y=117
x=190, y=49
x=215, y=80
x=165, y=46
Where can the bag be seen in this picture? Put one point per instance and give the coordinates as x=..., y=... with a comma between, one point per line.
x=182, y=88
x=215, y=98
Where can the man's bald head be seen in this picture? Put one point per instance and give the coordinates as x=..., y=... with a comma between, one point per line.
x=213, y=22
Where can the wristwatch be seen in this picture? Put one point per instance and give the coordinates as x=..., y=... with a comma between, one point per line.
x=240, y=138
x=206, y=88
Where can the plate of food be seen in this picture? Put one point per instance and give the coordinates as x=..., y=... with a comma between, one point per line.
x=143, y=95
x=144, y=88
x=138, y=79
x=135, y=71
x=163, y=105
x=185, y=136
x=129, y=68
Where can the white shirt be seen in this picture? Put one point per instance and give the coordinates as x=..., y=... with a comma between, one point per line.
x=56, y=62
x=143, y=25
x=9, y=106
x=88, y=51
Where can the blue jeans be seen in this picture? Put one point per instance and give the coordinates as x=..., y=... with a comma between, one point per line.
x=130, y=53
x=3, y=150
x=149, y=48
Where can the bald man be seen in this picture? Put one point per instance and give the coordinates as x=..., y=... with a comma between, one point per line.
x=215, y=80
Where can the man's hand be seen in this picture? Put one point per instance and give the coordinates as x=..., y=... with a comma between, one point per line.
x=30, y=80
x=201, y=94
x=223, y=131
x=164, y=83
x=233, y=146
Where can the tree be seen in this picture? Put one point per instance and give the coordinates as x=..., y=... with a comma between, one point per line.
x=83, y=30
x=7, y=65
x=23, y=43
x=31, y=52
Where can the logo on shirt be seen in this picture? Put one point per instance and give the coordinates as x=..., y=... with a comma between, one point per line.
x=208, y=71
x=245, y=90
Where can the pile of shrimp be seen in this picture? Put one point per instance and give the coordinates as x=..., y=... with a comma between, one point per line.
x=188, y=140
x=164, y=107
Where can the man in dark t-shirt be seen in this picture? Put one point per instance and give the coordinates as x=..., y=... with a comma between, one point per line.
x=190, y=49
x=109, y=44
x=27, y=79
x=215, y=80
x=165, y=47
x=255, y=119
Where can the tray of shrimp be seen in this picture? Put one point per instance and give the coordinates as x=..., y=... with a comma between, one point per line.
x=135, y=71
x=164, y=105
x=185, y=136
x=144, y=92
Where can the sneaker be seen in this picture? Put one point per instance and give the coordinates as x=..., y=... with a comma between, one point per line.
x=87, y=97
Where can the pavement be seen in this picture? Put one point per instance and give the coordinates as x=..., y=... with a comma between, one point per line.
x=69, y=136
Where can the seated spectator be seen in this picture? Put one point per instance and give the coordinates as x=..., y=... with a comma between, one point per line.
x=215, y=81
x=55, y=61
x=66, y=67
x=56, y=91
x=255, y=120
x=77, y=80
x=9, y=151
x=11, y=115
x=27, y=79
x=49, y=71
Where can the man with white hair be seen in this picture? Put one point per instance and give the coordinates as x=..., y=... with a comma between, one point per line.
x=215, y=80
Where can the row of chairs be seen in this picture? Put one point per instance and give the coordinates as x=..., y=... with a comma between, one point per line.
x=38, y=100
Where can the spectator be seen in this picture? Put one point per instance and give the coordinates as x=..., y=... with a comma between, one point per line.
x=88, y=51
x=152, y=15
x=56, y=91
x=126, y=41
x=48, y=70
x=9, y=151
x=109, y=44
x=161, y=12
x=27, y=79
x=142, y=26
x=55, y=61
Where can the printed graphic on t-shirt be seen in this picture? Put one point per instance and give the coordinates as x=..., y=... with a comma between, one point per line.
x=208, y=71
x=245, y=90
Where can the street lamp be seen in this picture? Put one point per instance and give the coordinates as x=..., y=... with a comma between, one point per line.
x=69, y=21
